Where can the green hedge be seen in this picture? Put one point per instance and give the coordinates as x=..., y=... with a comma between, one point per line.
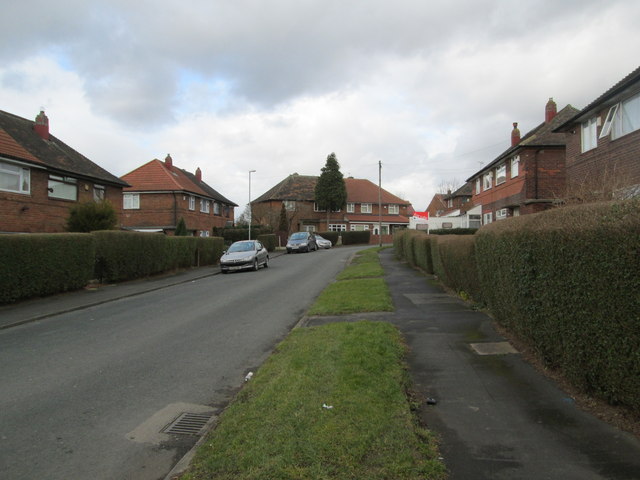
x=422, y=252
x=453, y=231
x=353, y=238
x=269, y=240
x=567, y=281
x=43, y=264
x=454, y=263
x=235, y=234
x=331, y=236
x=398, y=243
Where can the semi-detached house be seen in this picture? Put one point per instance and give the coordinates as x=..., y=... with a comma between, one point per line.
x=160, y=194
x=530, y=175
x=41, y=177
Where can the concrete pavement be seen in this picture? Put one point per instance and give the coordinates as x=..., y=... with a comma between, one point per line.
x=497, y=417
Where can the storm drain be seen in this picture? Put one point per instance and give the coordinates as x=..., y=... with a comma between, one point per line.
x=188, y=424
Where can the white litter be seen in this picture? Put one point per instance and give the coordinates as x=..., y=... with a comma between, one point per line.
x=248, y=377
x=328, y=407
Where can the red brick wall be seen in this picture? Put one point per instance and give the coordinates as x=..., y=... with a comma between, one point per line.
x=37, y=213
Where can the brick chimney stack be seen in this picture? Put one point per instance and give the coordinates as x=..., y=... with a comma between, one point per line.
x=515, y=135
x=168, y=161
x=198, y=174
x=550, y=110
x=42, y=125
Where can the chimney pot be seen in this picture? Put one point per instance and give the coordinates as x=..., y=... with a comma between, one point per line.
x=42, y=125
x=168, y=161
x=515, y=135
x=550, y=110
x=198, y=174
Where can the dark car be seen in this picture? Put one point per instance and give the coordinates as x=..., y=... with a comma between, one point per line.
x=301, y=242
x=244, y=255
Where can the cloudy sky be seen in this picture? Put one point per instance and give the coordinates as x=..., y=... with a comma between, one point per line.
x=429, y=88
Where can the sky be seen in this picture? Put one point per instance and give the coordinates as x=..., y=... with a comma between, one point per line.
x=428, y=88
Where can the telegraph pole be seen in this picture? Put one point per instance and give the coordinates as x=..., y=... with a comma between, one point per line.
x=380, y=203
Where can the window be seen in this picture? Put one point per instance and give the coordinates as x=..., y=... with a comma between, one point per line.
x=515, y=166
x=98, y=193
x=487, y=218
x=204, y=205
x=14, y=178
x=501, y=214
x=627, y=117
x=449, y=202
x=478, y=186
x=192, y=202
x=365, y=208
x=359, y=228
x=204, y=233
x=308, y=228
x=501, y=173
x=316, y=208
x=589, y=139
x=337, y=227
x=64, y=188
x=351, y=207
x=487, y=180
x=394, y=209
x=289, y=205
x=216, y=208
x=131, y=201
x=475, y=221
x=606, y=128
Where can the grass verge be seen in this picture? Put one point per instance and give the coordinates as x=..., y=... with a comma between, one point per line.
x=278, y=426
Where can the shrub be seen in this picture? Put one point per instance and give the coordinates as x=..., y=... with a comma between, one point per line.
x=398, y=243
x=331, y=236
x=353, y=238
x=44, y=264
x=269, y=240
x=457, y=266
x=90, y=216
x=422, y=253
x=181, y=228
x=453, y=231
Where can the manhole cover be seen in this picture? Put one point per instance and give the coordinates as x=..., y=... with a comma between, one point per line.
x=493, y=348
x=188, y=424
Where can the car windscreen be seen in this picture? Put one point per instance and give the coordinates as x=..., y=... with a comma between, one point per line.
x=241, y=247
x=298, y=236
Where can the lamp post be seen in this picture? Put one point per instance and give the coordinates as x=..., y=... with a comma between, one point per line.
x=250, y=172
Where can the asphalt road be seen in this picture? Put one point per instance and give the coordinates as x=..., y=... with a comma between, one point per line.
x=82, y=394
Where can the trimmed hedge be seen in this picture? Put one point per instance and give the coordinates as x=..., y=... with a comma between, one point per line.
x=567, y=281
x=331, y=236
x=235, y=234
x=353, y=238
x=269, y=240
x=43, y=264
x=453, y=231
x=454, y=262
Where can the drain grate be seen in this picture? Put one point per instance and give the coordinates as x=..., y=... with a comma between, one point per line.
x=188, y=424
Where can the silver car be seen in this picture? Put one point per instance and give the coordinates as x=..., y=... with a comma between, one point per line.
x=244, y=255
x=323, y=242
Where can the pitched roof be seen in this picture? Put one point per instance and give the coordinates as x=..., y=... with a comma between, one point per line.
x=19, y=141
x=610, y=97
x=541, y=136
x=302, y=188
x=465, y=190
x=157, y=176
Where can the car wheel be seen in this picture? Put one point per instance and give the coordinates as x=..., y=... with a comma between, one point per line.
x=224, y=271
x=266, y=262
x=255, y=265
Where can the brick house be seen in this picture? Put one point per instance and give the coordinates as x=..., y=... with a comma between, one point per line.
x=161, y=193
x=530, y=175
x=451, y=210
x=41, y=177
x=603, y=144
x=297, y=194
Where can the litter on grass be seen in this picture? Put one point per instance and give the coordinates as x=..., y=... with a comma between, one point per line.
x=328, y=407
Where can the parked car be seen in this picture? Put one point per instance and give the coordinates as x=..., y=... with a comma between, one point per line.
x=301, y=242
x=323, y=242
x=244, y=255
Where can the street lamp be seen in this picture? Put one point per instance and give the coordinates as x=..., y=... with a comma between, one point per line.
x=250, y=172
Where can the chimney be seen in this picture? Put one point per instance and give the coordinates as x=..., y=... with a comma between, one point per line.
x=515, y=135
x=168, y=161
x=198, y=174
x=550, y=110
x=42, y=125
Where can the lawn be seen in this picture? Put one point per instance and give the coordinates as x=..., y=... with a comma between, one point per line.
x=330, y=403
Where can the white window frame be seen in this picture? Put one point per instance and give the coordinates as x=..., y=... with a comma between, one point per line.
x=130, y=201
x=316, y=208
x=394, y=208
x=478, y=185
x=62, y=188
x=20, y=174
x=216, y=208
x=627, y=119
x=608, y=122
x=205, y=205
x=501, y=173
x=515, y=166
x=337, y=227
x=308, y=228
x=502, y=214
x=588, y=134
x=289, y=205
x=359, y=227
x=99, y=193
x=192, y=202
x=487, y=181
x=366, y=208
x=487, y=218
x=351, y=207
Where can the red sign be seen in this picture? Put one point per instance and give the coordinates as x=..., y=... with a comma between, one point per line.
x=424, y=215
